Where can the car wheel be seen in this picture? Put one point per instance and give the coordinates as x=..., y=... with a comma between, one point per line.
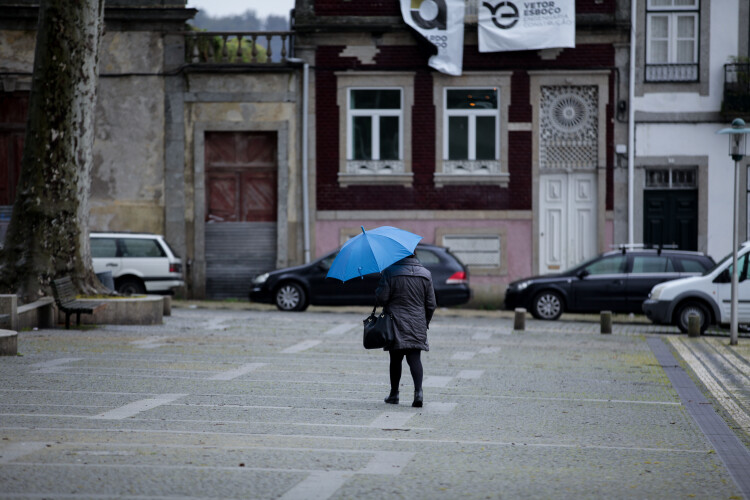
x=290, y=297
x=547, y=305
x=130, y=286
x=692, y=307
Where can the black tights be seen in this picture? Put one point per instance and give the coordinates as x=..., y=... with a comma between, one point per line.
x=415, y=365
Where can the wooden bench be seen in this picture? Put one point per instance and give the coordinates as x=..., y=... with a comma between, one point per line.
x=65, y=298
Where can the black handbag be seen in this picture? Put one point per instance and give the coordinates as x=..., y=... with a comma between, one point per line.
x=379, y=330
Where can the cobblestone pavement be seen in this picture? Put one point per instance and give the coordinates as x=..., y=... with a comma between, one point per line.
x=249, y=402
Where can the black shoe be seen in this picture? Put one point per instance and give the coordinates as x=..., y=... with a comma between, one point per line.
x=417, y=399
x=392, y=398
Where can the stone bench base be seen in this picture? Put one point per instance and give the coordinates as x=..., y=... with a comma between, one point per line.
x=146, y=310
x=8, y=343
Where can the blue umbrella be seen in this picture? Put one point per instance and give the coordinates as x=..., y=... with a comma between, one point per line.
x=372, y=251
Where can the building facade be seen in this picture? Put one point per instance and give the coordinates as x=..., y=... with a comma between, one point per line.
x=196, y=138
x=511, y=164
x=527, y=163
x=683, y=176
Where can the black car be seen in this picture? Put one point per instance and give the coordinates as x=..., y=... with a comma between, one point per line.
x=295, y=288
x=617, y=281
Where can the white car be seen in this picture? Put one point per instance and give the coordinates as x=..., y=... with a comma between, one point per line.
x=708, y=296
x=139, y=262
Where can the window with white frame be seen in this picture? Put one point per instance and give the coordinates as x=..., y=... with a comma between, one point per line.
x=375, y=125
x=471, y=125
x=672, y=31
x=471, y=117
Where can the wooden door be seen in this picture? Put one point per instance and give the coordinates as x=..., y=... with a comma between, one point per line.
x=13, y=109
x=241, y=209
x=567, y=220
x=670, y=217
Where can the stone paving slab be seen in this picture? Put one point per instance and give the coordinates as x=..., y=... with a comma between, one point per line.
x=255, y=403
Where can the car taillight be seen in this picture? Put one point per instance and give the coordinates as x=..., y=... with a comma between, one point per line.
x=175, y=268
x=456, y=278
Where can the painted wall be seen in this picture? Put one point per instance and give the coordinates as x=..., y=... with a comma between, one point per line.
x=487, y=288
x=699, y=140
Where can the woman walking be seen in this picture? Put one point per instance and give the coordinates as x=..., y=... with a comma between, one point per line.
x=405, y=290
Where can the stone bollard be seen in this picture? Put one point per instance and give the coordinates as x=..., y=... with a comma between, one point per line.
x=694, y=325
x=519, y=320
x=8, y=343
x=167, y=305
x=606, y=322
x=9, y=306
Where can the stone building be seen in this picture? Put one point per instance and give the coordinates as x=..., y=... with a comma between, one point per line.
x=195, y=139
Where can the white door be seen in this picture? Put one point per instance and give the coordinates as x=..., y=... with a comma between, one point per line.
x=567, y=220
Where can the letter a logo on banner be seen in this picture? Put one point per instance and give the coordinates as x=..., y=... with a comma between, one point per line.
x=516, y=25
x=441, y=22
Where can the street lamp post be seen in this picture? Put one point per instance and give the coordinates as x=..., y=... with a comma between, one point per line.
x=737, y=133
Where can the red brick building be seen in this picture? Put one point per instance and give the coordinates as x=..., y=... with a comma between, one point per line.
x=511, y=164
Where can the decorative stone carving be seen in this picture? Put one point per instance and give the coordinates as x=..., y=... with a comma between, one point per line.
x=569, y=127
x=471, y=167
x=377, y=167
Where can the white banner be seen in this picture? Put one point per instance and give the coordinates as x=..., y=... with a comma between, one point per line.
x=442, y=23
x=517, y=25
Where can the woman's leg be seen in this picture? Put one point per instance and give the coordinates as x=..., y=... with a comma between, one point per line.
x=397, y=357
x=415, y=365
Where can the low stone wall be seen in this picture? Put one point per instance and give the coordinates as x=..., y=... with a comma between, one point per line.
x=8, y=343
x=144, y=310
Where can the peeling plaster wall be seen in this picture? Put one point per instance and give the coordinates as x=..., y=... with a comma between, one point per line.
x=127, y=186
x=17, y=50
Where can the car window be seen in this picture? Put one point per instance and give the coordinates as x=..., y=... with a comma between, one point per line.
x=103, y=247
x=692, y=266
x=742, y=265
x=652, y=264
x=136, y=247
x=326, y=263
x=427, y=257
x=608, y=265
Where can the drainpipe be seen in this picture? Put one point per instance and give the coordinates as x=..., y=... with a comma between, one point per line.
x=631, y=122
x=305, y=181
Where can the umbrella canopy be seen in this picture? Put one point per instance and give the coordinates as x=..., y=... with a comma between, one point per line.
x=372, y=251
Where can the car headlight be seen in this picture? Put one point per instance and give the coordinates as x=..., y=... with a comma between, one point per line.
x=655, y=292
x=522, y=285
x=260, y=279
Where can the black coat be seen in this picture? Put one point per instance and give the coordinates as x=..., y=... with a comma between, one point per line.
x=405, y=289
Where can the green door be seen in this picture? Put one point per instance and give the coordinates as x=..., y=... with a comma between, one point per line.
x=670, y=217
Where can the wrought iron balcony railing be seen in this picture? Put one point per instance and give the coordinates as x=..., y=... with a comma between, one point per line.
x=252, y=47
x=672, y=72
x=736, y=87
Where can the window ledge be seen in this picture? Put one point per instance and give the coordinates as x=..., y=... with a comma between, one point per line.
x=403, y=179
x=374, y=167
x=499, y=179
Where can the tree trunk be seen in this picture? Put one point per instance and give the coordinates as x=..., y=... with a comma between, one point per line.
x=48, y=233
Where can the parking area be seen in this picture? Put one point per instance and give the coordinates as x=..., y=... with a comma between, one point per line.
x=249, y=402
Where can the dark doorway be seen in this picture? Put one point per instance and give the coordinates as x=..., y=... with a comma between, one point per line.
x=241, y=214
x=13, y=109
x=670, y=217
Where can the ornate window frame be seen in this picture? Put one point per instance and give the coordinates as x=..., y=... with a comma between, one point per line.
x=448, y=172
x=375, y=172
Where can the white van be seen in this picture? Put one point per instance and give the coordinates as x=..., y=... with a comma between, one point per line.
x=709, y=296
x=139, y=262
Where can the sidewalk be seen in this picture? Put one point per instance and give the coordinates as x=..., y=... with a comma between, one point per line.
x=249, y=402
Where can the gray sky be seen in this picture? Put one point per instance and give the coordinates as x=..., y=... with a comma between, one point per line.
x=230, y=7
